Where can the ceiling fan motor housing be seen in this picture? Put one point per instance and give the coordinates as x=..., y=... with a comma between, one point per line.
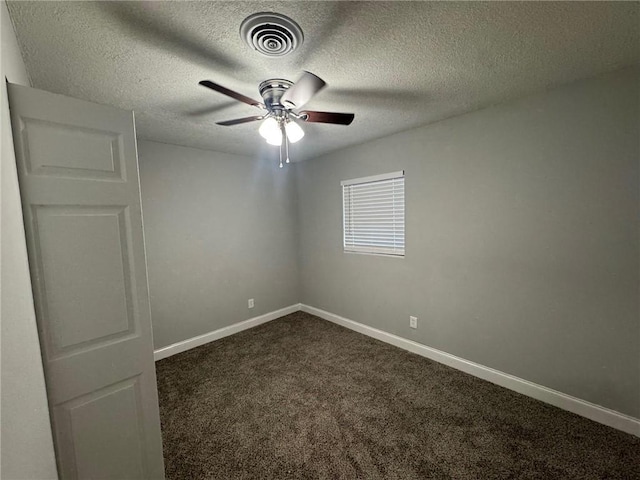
x=271, y=34
x=272, y=91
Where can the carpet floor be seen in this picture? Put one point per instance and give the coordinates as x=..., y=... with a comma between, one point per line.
x=302, y=398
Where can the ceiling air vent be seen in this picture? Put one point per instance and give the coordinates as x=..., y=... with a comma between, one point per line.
x=271, y=34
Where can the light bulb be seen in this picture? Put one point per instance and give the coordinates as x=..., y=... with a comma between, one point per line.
x=294, y=131
x=270, y=131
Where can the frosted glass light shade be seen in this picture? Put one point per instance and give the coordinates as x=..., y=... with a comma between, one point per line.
x=270, y=131
x=294, y=131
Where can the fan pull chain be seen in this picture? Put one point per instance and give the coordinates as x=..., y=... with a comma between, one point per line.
x=286, y=146
x=283, y=144
x=281, y=149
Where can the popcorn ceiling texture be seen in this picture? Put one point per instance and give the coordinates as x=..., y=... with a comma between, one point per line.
x=396, y=65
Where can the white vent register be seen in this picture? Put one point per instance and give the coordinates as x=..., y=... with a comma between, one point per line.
x=373, y=214
x=271, y=34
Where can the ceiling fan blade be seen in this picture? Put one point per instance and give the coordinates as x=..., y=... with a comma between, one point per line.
x=328, y=117
x=302, y=91
x=231, y=93
x=238, y=121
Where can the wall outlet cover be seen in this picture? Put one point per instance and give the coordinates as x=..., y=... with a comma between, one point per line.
x=413, y=322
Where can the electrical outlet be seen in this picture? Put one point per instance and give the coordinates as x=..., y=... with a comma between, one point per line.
x=413, y=322
x=250, y=303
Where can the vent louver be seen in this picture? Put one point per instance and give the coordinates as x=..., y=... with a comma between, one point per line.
x=271, y=34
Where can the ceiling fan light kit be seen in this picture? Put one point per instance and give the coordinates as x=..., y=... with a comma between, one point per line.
x=275, y=35
x=270, y=131
x=294, y=131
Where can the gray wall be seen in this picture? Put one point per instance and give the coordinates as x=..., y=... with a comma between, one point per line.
x=27, y=447
x=522, y=239
x=219, y=229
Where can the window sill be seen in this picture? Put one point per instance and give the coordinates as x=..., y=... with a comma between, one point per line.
x=376, y=254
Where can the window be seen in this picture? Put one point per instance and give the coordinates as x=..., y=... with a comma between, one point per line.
x=373, y=214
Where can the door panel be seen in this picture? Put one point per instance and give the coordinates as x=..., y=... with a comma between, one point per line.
x=83, y=264
x=78, y=172
x=59, y=149
x=114, y=412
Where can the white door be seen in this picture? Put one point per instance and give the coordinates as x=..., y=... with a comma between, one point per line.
x=78, y=172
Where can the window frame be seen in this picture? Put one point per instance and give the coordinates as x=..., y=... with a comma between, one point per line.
x=348, y=246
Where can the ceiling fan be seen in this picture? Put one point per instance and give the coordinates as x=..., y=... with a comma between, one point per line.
x=280, y=99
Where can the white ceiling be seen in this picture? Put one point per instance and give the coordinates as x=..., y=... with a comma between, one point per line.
x=395, y=65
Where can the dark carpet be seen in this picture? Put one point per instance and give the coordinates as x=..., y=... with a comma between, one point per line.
x=300, y=397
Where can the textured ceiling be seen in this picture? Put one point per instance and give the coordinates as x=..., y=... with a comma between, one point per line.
x=395, y=65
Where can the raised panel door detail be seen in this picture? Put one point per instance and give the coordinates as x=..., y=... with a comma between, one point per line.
x=85, y=275
x=80, y=192
x=103, y=433
x=65, y=150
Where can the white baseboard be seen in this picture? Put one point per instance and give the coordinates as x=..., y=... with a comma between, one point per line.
x=190, y=343
x=561, y=400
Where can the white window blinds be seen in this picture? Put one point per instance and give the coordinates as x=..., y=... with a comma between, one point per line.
x=373, y=213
